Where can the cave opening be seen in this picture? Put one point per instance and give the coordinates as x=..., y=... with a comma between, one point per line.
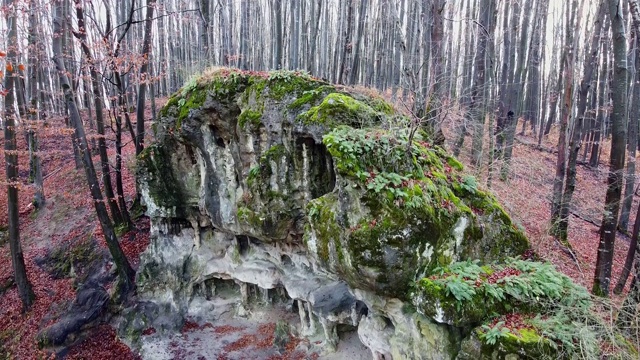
x=322, y=178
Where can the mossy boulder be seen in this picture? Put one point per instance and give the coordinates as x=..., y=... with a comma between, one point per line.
x=283, y=160
x=283, y=155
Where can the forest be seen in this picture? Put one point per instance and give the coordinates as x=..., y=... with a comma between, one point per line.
x=539, y=99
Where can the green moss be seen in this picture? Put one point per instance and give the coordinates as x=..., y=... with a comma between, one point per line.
x=470, y=294
x=380, y=105
x=530, y=336
x=283, y=82
x=337, y=108
x=193, y=101
x=325, y=226
x=248, y=216
x=454, y=163
x=311, y=97
x=415, y=198
x=249, y=117
x=271, y=210
x=173, y=102
x=69, y=259
x=154, y=167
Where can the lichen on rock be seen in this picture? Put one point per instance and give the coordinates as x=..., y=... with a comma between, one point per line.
x=283, y=181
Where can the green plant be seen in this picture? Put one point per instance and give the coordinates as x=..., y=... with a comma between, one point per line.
x=188, y=87
x=493, y=334
x=521, y=305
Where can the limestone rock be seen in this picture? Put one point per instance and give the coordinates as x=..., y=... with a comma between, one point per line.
x=287, y=183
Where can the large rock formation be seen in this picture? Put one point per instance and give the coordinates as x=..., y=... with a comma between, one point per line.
x=295, y=188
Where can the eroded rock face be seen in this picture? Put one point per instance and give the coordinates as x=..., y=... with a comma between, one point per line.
x=302, y=189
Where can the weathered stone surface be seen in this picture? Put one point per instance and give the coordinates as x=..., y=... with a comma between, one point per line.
x=91, y=301
x=282, y=181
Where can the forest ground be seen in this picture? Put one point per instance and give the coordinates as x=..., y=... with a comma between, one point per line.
x=69, y=217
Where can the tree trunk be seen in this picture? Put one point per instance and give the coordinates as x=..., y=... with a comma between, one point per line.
x=144, y=77
x=313, y=40
x=433, y=107
x=35, y=164
x=477, y=106
x=517, y=91
x=295, y=35
x=244, y=35
x=631, y=254
x=356, y=50
x=632, y=139
x=25, y=291
x=279, y=44
x=225, y=48
x=116, y=214
x=347, y=45
x=608, y=229
x=603, y=94
x=506, y=73
x=561, y=161
x=576, y=138
x=125, y=271
x=206, y=22
x=537, y=53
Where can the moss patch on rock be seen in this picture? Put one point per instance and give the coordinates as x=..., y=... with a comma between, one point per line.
x=337, y=108
x=464, y=293
x=407, y=212
x=155, y=170
x=518, y=306
x=249, y=117
x=267, y=206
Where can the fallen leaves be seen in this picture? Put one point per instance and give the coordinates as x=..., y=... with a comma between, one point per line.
x=102, y=344
x=67, y=216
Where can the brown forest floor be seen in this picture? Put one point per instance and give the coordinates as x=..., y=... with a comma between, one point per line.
x=69, y=216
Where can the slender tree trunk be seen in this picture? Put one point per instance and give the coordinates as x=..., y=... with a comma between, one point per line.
x=604, y=259
x=345, y=63
x=561, y=162
x=144, y=77
x=35, y=164
x=25, y=291
x=100, y=119
x=244, y=35
x=508, y=59
x=603, y=96
x=632, y=141
x=477, y=106
x=433, y=121
x=467, y=89
x=206, y=22
x=517, y=92
x=295, y=35
x=152, y=91
x=356, y=50
x=537, y=54
x=316, y=7
x=279, y=44
x=576, y=138
x=125, y=271
x=631, y=254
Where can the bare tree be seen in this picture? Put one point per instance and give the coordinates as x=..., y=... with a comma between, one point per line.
x=604, y=260
x=126, y=273
x=25, y=290
x=575, y=141
x=142, y=87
